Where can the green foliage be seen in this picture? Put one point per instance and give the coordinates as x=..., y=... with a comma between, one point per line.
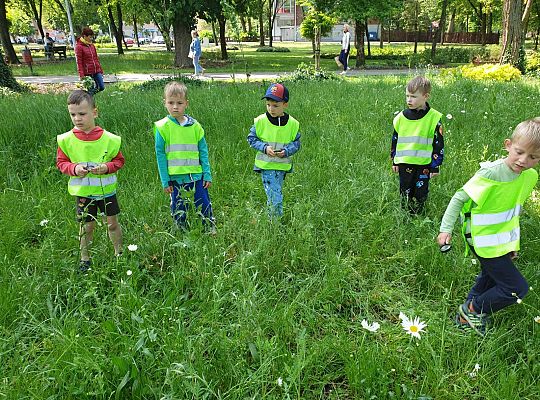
x=160, y=83
x=484, y=72
x=307, y=72
x=315, y=19
x=533, y=63
x=268, y=49
x=449, y=55
x=6, y=78
x=103, y=39
x=205, y=33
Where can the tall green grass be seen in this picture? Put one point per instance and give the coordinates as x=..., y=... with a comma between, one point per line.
x=227, y=316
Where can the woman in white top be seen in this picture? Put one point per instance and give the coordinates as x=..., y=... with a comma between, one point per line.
x=345, y=47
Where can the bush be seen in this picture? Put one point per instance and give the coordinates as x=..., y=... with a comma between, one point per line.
x=103, y=39
x=307, y=72
x=449, y=55
x=160, y=83
x=485, y=72
x=268, y=49
x=206, y=34
x=533, y=62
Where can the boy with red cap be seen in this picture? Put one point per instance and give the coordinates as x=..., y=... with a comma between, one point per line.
x=276, y=138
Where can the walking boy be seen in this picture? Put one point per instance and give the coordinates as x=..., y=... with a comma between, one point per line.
x=417, y=145
x=91, y=157
x=182, y=157
x=276, y=138
x=490, y=204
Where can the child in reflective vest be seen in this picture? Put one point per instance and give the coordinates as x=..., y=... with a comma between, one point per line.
x=276, y=138
x=490, y=204
x=91, y=157
x=417, y=145
x=182, y=158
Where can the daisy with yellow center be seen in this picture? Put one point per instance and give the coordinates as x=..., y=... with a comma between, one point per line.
x=412, y=326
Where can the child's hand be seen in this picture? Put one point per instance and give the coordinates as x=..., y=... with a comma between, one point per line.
x=168, y=189
x=80, y=170
x=280, y=153
x=395, y=168
x=433, y=174
x=444, y=238
x=207, y=184
x=99, y=169
x=270, y=151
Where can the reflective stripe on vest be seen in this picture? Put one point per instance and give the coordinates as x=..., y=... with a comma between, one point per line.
x=98, y=182
x=181, y=146
x=497, y=218
x=91, y=153
x=415, y=138
x=497, y=239
x=277, y=137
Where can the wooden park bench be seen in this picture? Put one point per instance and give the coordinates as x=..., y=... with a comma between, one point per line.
x=60, y=50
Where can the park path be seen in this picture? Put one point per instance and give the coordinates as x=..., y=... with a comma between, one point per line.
x=226, y=76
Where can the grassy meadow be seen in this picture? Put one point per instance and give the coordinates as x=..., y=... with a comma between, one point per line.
x=261, y=310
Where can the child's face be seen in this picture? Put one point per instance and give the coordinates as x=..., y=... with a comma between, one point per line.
x=83, y=116
x=416, y=100
x=521, y=155
x=176, y=105
x=276, y=108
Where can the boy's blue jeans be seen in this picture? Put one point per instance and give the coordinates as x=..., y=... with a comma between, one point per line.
x=180, y=204
x=273, y=182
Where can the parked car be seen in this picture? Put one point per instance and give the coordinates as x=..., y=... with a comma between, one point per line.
x=158, y=40
x=144, y=40
x=129, y=42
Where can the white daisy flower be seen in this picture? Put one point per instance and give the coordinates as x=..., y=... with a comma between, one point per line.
x=372, y=328
x=449, y=116
x=463, y=111
x=279, y=381
x=519, y=301
x=537, y=319
x=473, y=261
x=43, y=222
x=128, y=272
x=413, y=326
x=133, y=247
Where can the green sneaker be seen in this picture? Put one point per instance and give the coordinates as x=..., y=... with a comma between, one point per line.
x=476, y=321
x=461, y=326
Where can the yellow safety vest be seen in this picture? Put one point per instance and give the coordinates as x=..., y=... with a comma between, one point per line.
x=181, y=146
x=90, y=152
x=415, y=138
x=493, y=212
x=277, y=137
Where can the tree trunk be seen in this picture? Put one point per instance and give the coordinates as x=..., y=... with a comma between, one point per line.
x=261, y=26
x=483, y=28
x=359, y=33
x=367, y=37
x=136, y=32
x=452, y=23
x=4, y=35
x=243, y=23
x=511, y=33
x=440, y=30
x=249, y=26
x=380, y=35
x=182, y=40
x=270, y=24
x=214, y=34
x=416, y=33
x=525, y=21
x=114, y=29
x=489, y=24
x=222, y=40
x=536, y=38
x=38, y=17
x=120, y=23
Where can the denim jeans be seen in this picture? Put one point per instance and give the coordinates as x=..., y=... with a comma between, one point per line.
x=180, y=204
x=99, y=85
x=273, y=182
x=198, y=68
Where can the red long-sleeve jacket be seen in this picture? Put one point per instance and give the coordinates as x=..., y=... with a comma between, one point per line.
x=87, y=59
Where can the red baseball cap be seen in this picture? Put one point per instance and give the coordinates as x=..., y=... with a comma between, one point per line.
x=277, y=92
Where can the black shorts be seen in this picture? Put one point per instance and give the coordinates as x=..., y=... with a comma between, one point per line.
x=87, y=209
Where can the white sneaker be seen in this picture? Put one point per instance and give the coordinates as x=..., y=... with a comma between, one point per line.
x=343, y=72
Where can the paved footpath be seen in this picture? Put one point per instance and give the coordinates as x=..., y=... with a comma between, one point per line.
x=256, y=76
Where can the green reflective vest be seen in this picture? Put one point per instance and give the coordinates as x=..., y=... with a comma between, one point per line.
x=277, y=137
x=181, y=146
x=493, y=212
x=415, y=138
x=90, y=153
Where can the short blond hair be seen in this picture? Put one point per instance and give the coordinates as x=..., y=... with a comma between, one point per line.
x=529, y=132
x=175, y=88
x=419, y=83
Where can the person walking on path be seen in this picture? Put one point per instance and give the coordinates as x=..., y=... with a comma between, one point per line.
x=88, y=61
x=195, y=52
x=345, y=48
